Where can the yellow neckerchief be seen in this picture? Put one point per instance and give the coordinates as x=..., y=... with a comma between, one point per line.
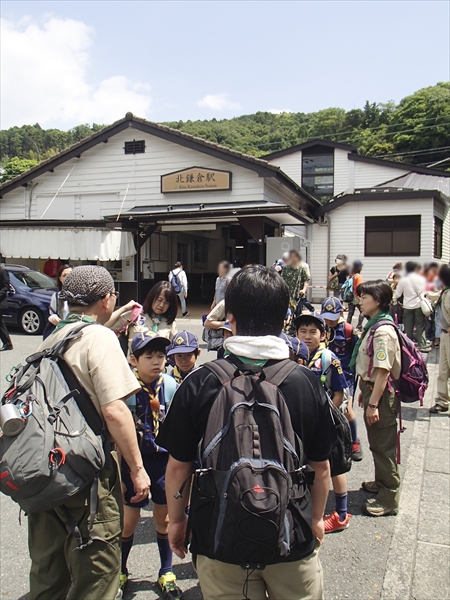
x=155, y=406
x=176, y=374
x=317, y=353
x=333, y=330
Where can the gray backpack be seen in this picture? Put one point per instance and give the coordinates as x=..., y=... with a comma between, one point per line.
x=58, y=446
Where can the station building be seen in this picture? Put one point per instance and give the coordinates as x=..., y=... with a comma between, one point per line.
x=138, y=197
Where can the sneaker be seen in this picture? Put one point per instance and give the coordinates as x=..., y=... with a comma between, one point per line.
x=356, y=451
x=425, y=349
x=374, y=508
x=370, y=486
x=332, y=522
x=168, y=586
x=185, y=314
x=437, y=408
x=123, y=580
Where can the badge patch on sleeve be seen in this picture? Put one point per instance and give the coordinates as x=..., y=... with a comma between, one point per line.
x=381, y=355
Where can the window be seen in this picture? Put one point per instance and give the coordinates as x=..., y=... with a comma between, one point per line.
x=135, y=147
x=438, y=225
x=158, y=246
x=393, y=236
x=318, y=174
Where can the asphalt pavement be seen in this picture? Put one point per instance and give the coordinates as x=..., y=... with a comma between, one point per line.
x=402, y=557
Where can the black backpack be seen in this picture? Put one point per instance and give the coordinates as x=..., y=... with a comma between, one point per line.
x=341, y=452
x=250, y=500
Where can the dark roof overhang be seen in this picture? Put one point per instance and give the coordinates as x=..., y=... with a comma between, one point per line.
x=376, y=194
x=397, y=165
x=310, y=144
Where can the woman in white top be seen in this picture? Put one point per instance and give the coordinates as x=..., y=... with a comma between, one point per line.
x=159, y=313
x=58, y=309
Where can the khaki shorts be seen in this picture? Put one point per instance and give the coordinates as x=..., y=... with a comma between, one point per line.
x=299, y=580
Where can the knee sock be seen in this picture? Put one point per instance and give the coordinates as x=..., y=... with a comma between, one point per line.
x=354, y=430
x=127, y=544
x=341, y=505
x=165, y=553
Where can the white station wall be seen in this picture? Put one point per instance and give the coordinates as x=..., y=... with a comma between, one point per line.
x=347, y=233
x=96, y=184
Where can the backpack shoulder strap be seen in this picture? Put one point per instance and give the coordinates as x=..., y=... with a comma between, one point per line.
x=223, y=369
x=279, y=371
x=371, y=334
x=170, y=387
x=327, y=359
x=348, y=330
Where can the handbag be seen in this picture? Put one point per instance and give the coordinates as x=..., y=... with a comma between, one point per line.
x=425, y=305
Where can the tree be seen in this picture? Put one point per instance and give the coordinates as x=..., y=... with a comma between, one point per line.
x=422, y=122
x=15, y=166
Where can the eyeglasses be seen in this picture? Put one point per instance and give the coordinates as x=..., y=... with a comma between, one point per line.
x=116, y=294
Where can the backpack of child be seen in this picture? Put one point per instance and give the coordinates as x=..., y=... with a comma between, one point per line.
x=251, y=485
x=176, y=283
x=54, y=440
x=413, y=381
x=341, y=453
x=347, y=292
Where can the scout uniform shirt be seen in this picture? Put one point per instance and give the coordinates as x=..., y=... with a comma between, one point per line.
x=97, y=361
x=145, y=322
x=335, y=378
x=150, y=405
x=386, y=354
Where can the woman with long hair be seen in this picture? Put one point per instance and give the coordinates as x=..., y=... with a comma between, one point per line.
x=159, y=312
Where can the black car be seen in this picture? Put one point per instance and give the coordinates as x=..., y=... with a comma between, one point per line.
x=29, y=299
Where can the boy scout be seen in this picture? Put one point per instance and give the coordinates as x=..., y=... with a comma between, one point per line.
x=378, y=399
x=311, y=330
x=341, y=339
x=100, y=366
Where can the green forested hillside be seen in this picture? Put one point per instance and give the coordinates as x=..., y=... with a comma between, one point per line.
x=417, y=130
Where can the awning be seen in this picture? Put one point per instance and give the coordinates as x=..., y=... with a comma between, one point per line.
x=73, y=244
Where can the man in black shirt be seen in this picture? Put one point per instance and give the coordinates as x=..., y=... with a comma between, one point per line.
x=256, y=303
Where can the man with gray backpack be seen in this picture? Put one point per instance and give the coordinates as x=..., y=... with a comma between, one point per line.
x=55, y=451
x=263, y=432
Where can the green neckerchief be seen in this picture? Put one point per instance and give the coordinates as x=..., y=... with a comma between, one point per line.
x=156, y=320
x=378, y=317
x=248, y=361
x=440, y=297
x=74, y=317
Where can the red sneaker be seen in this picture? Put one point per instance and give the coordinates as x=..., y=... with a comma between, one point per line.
x=356, y=451
x=332, y=522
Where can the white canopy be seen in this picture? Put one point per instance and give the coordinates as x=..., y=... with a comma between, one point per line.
x=74, y=244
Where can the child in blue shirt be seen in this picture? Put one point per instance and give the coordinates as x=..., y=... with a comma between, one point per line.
x=326, y=365
x=341, y=340
x=149, y=406
x=183, y=351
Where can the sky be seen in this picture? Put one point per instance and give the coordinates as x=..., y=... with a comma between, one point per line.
x=69, y=62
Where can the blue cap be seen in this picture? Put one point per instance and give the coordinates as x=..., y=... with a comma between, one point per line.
x=300, y=349
x=314, y=316
x=226, y=326
x=183, y=342
x=145, y=338
x=331, y=309
x=286, y=339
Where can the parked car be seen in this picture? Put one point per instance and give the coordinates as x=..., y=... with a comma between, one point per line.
x=29, y=299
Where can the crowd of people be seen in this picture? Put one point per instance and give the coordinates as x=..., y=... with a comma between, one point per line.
x=207, y=453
